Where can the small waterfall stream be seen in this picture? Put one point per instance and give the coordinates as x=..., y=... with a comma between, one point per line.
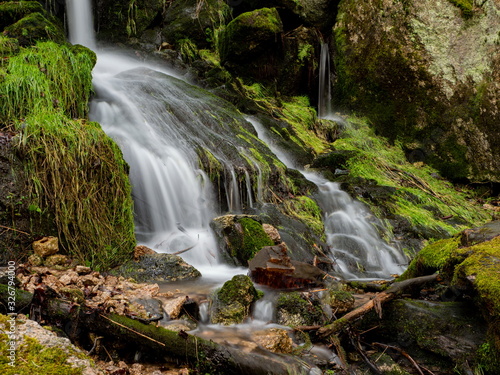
x=355, y=245
x=324, y=92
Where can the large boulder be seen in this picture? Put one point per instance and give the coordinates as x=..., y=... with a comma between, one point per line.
x=471, y=272
x=427, y=74
x=250, y=45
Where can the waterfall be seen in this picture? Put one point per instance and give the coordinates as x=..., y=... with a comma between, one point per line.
x=355, y=246
x=81, y=29
x=324, y=94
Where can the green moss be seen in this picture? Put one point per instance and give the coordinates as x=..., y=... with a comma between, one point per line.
x=466, y=6
x=13, y=11
x=78, y=173
x=306, y=210
x=431, y=258
x=8, y=47
x=47, y=76
x=33, y=358
x=295, y=310
x=254, y=238
x=482, y=267
x=35, y=27
x=233, y=300
x=419, y=196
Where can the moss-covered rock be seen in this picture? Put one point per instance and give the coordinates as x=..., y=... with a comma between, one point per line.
x=19, y=299
x=194, y=20
x=13, y=11
x=250, y=44
x=119, y=20
x=294, y=309
x=240, y=237
x=231, y=303
x=447, y=335
x=440, y=106
x=471, y=270
x=35, y=27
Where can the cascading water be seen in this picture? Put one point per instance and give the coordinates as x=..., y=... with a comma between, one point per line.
x=355, y=246
x=324, y=93
x=80, y=27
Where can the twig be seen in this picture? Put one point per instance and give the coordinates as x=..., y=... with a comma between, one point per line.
x=404, y=354
x=183, y=251
x=131, y=330
x=15, y=230
x=355, y=342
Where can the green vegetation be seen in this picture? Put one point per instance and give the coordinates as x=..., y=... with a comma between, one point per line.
x=466, y=6
x=47, y=76
x=78, y=173
x=34, y=358
x=232, y=301
x=306, y=210
x=253, y=239
x=295, y=310
x=420, y=195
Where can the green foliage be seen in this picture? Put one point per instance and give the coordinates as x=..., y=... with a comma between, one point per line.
x=46, y=76
x=34, y=358
x=421, y=196
x=78, y=173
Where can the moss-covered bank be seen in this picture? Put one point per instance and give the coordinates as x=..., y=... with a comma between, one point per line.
x=75, y=174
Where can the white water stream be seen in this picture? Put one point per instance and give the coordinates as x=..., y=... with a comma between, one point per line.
x=355, y=245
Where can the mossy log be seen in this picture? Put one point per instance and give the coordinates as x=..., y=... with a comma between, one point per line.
x=205, y=355
x=376, y=303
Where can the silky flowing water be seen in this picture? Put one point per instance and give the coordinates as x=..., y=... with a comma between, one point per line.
x=158, y=127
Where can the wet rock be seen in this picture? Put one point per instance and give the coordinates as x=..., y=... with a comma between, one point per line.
x=173, y=306
x=152, y=306
x=340, y=301
x=429, y=110
x=485, y=233
x=231, y=303
x=296, y=309
x=240, y=237
x=46, y=246
x=275, y=340
x=273, y=267
x=158, y=268
x=450, y=330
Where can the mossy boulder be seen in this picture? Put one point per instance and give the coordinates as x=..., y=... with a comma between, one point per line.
x=22, y=300
x=194, y=20
x=240, y=237
x=153, y=268
x=447, y=335
x=231, y=303
x=119, y=20
x=13, y=11
x=471, y=271
x=250, y=44
x=395, y=63
x=35, y=27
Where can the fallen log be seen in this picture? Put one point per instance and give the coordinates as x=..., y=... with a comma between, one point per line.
x=376, y=303
x=158, y=342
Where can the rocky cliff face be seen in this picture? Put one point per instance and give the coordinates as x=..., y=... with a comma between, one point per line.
x=426, y=72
